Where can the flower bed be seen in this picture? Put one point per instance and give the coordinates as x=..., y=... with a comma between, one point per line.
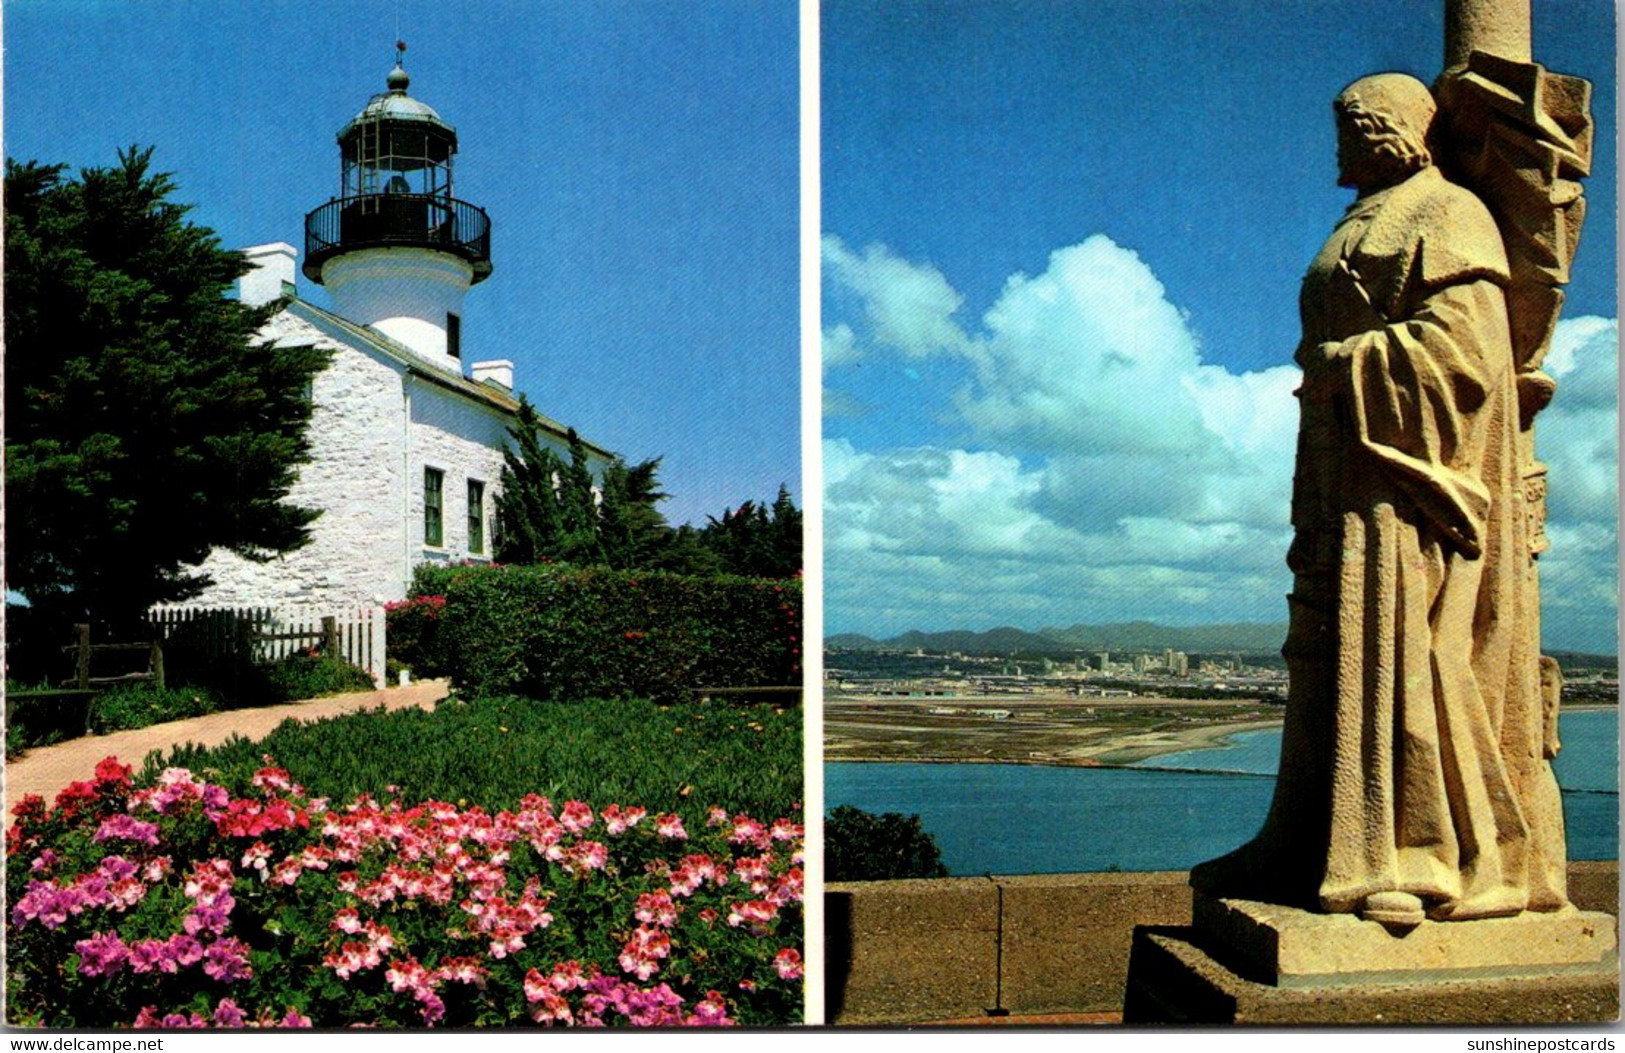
x=179, y=905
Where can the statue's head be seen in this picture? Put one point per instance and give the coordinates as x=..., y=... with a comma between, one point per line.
x=1382, y=130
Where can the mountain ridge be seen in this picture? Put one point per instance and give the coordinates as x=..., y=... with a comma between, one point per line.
x=1240, y=637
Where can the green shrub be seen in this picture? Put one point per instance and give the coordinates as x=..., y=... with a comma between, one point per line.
x=304, y=676
x=414, y=634
x=141, y=705
x=42, y=717
x=568, y=633
x=862, y=846
x=433, y=579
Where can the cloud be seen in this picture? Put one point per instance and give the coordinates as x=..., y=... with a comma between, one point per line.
x=841, y=347
x=909, y=306
x=1578, y=438
x=1105, y=470
x=1108, y=473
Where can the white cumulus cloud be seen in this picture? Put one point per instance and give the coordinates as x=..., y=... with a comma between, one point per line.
x=1105, y=469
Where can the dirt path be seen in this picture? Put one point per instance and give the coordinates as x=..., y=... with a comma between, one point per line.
x=45, y=770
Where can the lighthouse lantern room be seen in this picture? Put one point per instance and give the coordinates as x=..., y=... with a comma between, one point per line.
x=397, y=250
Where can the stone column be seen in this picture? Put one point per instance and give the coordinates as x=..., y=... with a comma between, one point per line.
x=1498, y=27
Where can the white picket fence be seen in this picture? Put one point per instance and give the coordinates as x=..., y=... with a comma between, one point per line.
x=358, y=635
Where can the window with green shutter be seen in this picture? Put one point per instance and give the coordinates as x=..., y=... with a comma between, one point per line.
x=476, y=517
x=433, y=507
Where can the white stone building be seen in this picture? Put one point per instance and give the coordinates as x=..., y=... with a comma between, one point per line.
x=406, y=443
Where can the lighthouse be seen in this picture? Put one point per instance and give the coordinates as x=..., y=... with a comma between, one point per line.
x=396, y=249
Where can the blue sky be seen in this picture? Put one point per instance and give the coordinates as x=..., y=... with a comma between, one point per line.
x=1062, y=247
x=637, y=159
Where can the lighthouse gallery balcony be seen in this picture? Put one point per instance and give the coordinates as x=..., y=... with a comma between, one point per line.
x=393, y=220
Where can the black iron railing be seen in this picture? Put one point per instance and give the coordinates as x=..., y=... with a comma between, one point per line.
x=380, y=220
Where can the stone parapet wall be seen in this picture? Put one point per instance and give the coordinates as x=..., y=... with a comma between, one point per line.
x=903, y=952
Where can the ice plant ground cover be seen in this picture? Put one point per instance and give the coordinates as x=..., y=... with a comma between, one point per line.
x=181, y=903
x=493, y=751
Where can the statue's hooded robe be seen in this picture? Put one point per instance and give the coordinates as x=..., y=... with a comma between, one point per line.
x=1414, y=756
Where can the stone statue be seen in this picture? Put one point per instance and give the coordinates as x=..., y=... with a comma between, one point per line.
x=1415, y=777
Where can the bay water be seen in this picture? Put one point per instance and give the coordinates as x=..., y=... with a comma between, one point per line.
x=1168, y=813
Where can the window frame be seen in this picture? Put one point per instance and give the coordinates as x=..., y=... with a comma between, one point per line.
x=434, y=507
x=475, y=517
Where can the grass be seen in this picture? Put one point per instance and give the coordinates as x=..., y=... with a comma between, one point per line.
x=493, y=751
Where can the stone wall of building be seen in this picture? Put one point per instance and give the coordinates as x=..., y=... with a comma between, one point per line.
x=464, y=440
x=358, y=551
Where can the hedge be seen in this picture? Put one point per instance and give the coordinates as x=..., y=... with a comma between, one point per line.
x=567, y=633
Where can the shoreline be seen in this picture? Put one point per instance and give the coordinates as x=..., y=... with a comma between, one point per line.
x=1125, y=749
x=1130, y=748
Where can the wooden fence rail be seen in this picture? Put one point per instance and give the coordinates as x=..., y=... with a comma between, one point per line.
x=83, y=649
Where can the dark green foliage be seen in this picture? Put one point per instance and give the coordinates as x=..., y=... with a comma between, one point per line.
x=633, y=533
x=862, y=846
x=756, y=542
x=573, y=633
x=43, y=718
x=142, y=705
x=493, y=751
x=413, y=634
x=546, y=509
x=311, y=676
x=143, y=428
x=547, y=512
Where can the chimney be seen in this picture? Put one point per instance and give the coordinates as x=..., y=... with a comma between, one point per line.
x=273, y=269
x=498, y=371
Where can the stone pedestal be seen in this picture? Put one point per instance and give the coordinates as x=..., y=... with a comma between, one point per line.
x=1243, y=962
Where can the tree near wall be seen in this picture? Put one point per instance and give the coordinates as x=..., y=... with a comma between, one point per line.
x=144, y=427
x=550, y=510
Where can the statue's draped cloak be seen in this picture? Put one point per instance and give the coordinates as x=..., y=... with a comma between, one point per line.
x=1414, y=756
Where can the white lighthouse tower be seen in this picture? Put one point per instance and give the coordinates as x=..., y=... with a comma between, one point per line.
x=396, y=250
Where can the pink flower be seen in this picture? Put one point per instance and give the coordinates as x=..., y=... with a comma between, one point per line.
x=551, y=1006
x=256, y=856
x=748, y=831
x=226, y=1014
x=406, y=974
x=576, y=817
x=102, y=954
x=127, y=828
x=670, y=827
x=183, y=949
x=716, y=817
x=275, y=780
x=711, y=1011
x=619, y=820
x=460, y=970
x=294, y=1019
x=656, y=908
x=754, y=914
x=434, y=1008
x=227, y=960
x=788, y=963
x=788, y=888
x=567, y=976
x=584, y=857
